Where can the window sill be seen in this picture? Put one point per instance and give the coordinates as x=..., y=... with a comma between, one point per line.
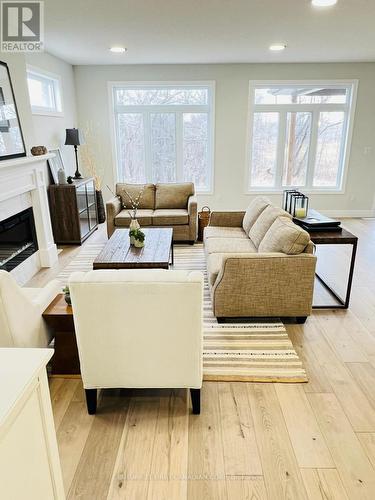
x=42, y=112
x=304, y=191
x=204, y=193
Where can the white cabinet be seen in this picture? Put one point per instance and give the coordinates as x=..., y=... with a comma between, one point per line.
x=29, y=460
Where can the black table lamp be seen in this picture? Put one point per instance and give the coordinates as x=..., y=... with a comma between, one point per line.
x=74, y=138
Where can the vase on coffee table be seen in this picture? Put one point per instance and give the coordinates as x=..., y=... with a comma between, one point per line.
x=139, y=243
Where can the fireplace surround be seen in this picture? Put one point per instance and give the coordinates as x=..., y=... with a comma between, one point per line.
x=23, y=186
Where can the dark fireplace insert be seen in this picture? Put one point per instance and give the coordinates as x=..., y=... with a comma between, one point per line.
x=17, y=239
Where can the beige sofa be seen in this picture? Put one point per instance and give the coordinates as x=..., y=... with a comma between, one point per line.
x=168, y=205
x=259, y=263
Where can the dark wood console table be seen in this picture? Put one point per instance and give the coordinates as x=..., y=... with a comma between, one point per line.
x=74, y=213
x=342, y=237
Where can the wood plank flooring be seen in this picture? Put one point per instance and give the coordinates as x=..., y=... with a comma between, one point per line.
x=252, y=441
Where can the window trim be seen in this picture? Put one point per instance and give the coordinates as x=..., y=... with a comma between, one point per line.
x=349, y=125
x=57, y=83
x=211, y=84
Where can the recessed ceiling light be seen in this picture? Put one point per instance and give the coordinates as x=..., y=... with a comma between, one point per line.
x=277, y=47
x=323, y=3
x=118, y=50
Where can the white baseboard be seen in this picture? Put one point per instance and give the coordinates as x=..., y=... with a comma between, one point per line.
x=348, y=213
x=27, y=269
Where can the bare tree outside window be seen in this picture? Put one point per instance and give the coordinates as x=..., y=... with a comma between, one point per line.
x=299, y=135
x=163, y=147
x=195, y=144
x=265, y=136
x=297, y=149
x=163, y=134
x=131, y=165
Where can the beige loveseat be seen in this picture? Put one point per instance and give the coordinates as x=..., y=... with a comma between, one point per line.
x=168, y=205
x=259, y=263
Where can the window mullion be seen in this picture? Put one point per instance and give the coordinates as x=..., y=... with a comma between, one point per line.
x=262, y=108
x=313, y=149
x=280, y=149
x=148, y=150
x=179, y=147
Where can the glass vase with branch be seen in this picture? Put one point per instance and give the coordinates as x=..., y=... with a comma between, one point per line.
x=133, y=206
x=90, y=159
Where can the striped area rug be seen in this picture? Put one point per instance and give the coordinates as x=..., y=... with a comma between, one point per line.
x=249, y=352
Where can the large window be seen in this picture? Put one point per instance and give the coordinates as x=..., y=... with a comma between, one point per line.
x=44, y=92
x=164, y=133
x=299, y=135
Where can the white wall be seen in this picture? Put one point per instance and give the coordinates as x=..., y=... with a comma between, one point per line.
x=49, y=131
x=17, y=70
x=231, y=116
x=41, y=130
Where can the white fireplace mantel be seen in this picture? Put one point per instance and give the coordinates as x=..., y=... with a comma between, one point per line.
x=22, y=180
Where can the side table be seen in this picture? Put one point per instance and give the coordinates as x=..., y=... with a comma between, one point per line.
x=59, y=316
x=342, y=237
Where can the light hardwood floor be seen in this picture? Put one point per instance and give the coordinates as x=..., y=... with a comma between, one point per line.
x=251, y=441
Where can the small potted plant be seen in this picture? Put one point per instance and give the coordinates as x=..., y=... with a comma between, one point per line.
x=138, y=237
x=67, y=295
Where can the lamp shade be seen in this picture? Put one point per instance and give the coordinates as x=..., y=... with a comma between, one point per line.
x=73, y=137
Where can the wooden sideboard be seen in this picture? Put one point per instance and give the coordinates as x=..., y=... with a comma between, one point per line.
x=29, y=459
x=74, y=213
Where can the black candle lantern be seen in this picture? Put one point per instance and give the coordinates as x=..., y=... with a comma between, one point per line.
x=287, y=198
x=299, y=205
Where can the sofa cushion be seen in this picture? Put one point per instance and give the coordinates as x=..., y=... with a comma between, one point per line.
x=264, y=222
x=224, y=232
x=253, y=211
x=228, y=245
x=148, y=196
x=144, y=217
x=284, y=236
x=170, y=217
x=173, y=195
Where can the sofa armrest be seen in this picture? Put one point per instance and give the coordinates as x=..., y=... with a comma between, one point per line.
x=268, y=284
x=113, y=208
x=44, y=296
x=226, y=219
x=193, y=206
x=193, y=216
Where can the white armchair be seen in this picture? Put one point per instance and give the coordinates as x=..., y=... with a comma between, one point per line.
x=21, y=309
x=138, y=329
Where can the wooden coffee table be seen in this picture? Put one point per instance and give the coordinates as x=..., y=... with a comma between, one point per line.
x=119, y=254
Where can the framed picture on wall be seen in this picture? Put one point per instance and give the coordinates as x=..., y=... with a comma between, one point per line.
x=55, y=164
x=12, y=144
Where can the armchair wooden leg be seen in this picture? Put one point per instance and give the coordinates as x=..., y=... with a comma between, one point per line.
x=301, y=320
x=91, y=399
x=196, y=400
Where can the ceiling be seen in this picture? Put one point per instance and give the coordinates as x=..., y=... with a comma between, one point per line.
x=208, y=31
